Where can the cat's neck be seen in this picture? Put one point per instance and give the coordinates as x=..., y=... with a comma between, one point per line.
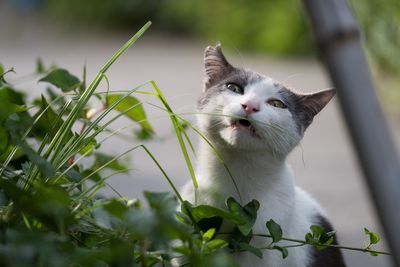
x=256, y=173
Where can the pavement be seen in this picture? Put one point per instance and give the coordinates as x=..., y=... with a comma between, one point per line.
x=325, y=163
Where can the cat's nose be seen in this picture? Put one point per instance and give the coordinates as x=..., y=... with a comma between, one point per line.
x=250, y=107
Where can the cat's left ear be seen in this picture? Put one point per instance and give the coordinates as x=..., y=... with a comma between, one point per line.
x=310, y=105
x=216, y=65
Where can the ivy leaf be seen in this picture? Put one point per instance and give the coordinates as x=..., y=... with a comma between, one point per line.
x=283, y=250
x=135, y=113
x=275, y=230
x=62, y=79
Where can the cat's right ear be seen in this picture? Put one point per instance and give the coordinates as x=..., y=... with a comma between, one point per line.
x=216, y=65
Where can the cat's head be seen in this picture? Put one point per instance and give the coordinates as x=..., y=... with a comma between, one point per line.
x=249, y=111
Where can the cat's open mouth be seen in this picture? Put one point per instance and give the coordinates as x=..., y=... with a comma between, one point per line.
x=243, y=124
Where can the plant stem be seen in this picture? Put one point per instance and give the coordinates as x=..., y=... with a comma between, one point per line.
x=303, y=242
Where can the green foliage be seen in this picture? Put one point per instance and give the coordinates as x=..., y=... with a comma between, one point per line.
x=274, y=230
x=319, y=238
x=374, y=238
x=133, y=109
x=51, y=214
x=60, y=78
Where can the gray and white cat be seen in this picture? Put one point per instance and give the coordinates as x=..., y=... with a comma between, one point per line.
x=260, y=122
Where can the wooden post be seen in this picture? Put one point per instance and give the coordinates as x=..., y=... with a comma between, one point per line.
x=337, y=36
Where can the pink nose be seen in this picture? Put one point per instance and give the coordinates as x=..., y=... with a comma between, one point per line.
x=250, y=107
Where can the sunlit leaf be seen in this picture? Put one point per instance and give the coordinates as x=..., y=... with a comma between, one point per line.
x=209, y=234
x=374, y=238
x=136, y=112
x=217, y=244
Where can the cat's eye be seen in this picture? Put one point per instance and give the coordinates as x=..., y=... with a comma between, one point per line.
x=276, y=103
x=234, y=88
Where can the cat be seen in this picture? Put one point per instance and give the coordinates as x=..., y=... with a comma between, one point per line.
x=260, y=121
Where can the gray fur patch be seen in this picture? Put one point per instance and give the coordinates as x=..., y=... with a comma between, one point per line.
x=304, y=107
x=238, y=76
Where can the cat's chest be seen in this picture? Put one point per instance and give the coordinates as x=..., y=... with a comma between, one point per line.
x=274, y=191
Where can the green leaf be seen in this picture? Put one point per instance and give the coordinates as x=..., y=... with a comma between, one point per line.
x=161, y=200
x=11, y=102
x=40, y=69
x=317, y=231
x=374, y=238
x=109, y=162
x=89, y=147
x=283, y=250
x=73, y=175
x=94, y=177
x=209, y=234
x=62, y=79
x=205, y=211
x=48, y=123
x=116, y=208
x=275, y=230
x=47, y=203
x=319, y=238
x=135, y=113
x=4, y=139
x=13, y=124
x=217, y=244
x=248, y=213
x=251, y=249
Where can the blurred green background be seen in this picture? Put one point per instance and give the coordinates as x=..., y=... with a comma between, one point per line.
x=265, y=26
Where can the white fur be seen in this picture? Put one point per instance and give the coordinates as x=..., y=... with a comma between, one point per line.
x=258, y=165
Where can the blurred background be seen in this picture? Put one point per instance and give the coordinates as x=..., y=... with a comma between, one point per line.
x=271, y=37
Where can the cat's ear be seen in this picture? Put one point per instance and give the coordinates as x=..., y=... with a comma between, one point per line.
x=216, y=65
x=309, y=105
